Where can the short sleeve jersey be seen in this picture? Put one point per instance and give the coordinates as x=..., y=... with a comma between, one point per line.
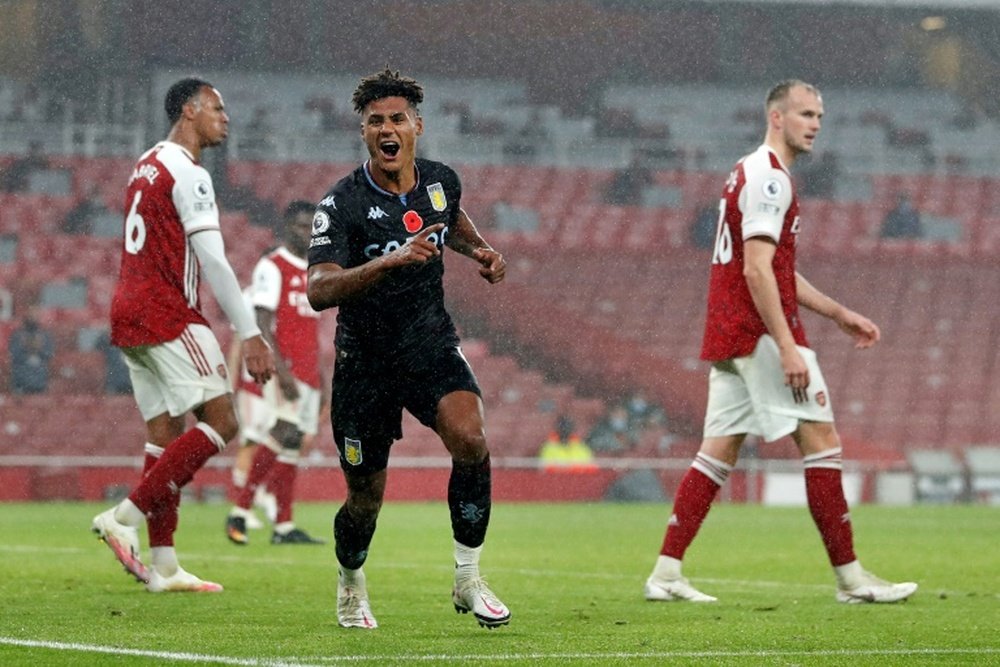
x=356, y=222
x=758, y=200
x=169, y=198
x=279, y=285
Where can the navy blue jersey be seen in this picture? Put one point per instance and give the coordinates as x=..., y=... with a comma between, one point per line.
x=358, y=221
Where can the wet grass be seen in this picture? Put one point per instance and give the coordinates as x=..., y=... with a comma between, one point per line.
x=572, y=575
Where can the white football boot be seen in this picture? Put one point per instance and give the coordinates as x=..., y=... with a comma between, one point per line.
x=472, y=594
x=872, y=589
x=123, y=541
x=671, y=590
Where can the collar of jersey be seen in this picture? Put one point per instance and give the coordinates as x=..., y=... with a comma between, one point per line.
x=167, y=142
x=292, y=258
x=402, y=198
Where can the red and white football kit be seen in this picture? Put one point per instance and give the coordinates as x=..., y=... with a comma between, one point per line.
x=173, y=357
x=747, y=393
x=279, y=285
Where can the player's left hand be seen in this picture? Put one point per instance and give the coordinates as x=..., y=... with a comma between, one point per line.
x=258, y=358
x=493, y=268
x=865, y=332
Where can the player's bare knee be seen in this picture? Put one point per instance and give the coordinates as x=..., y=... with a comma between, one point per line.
x=226, y=427
x=467, y=446
x=815, y=437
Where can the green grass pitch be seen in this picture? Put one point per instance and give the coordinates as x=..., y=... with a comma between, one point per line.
x=572, y=575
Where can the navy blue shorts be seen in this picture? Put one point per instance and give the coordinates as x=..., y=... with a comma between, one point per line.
x=369, y=394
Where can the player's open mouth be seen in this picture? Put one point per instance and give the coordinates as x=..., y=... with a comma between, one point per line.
x=389, y=148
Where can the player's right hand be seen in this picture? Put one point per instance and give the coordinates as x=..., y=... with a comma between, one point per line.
x=258, y=358
x=796, y=374
x=417, y=249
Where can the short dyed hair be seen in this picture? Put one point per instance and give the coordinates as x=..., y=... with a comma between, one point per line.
x=297, y=206
x=386, y=84
x=779, y=92
x=180, y=94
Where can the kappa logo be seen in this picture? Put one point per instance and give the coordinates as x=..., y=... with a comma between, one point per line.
x=329, y=202
x=376, y=212
x=352, y=451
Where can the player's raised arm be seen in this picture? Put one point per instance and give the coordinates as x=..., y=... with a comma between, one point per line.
x=330, y=284
x=464, y=238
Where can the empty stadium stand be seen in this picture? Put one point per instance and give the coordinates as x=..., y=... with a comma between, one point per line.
x=600, y=299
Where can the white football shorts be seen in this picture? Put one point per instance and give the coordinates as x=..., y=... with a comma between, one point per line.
x=256, y=417
x=304, y=412
x=749, y=395
x=178, y=375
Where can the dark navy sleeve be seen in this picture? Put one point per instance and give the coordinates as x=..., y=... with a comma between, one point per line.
x=329, y=235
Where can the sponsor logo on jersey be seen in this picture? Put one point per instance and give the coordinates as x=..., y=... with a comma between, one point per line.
x=328, y=202
x=436, y=192
x=372, y=251
x=821, y=399
x=375, y=212
x=203, y=189
x=352, y=451
x=796, y=225
x=772, y=188
x=321, y=222
x=413, y=222
x=221, y=370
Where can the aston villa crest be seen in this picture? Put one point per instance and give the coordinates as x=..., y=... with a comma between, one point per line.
x=436, y=192
x=352, y=451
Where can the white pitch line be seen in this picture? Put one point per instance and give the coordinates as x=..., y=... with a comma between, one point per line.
x=159, y=655
x=526, y=572
x=451, y=658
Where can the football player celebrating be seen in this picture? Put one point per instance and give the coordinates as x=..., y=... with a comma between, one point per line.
x=376, y=252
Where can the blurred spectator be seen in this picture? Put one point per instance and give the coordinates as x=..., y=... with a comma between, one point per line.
x=645, y=417
x=704, y=226
x=31, y=351
x=80, y=218
x=564, y=451
x=116, y=375
x=627, y=184
x=16, y=177
x=642, y=414
x=903, y=221
x=612, y=434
